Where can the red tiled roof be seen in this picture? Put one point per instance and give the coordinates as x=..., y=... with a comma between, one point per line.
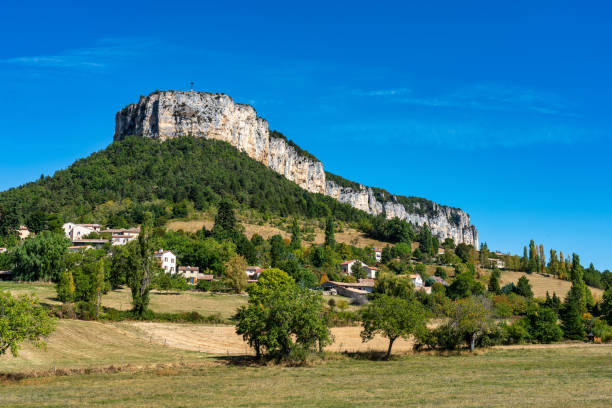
x=348, y=262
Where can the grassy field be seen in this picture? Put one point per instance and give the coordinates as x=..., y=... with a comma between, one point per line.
x=77, y=343
x=540, y=284
x=161, y=302
x=563, y=377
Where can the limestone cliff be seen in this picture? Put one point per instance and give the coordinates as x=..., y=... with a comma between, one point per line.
x=169, y=114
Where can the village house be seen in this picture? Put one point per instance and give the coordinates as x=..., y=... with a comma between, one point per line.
x=79, y=231
x=253, y=273
x=440, y=280
x=3, y=250
x=416, y=280
x=348, y=265
x=78, y=244
x=23, y=232
x=354, y=290
x=377, y=254
x=122, y=236
x=499, y=263
x=167, y=260
x=190, y=273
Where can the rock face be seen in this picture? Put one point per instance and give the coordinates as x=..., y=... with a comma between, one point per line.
x=169, y=114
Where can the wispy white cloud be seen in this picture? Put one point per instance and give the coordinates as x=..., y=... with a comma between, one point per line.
x=104, y=53
x=461, y=135
x=496, y=98
x=380, y=92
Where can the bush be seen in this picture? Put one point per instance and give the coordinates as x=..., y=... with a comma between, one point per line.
x=517, y=333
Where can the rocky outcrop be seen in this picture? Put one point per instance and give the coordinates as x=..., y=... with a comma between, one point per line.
x=169, y=114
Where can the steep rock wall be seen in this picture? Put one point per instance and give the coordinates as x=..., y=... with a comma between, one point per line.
x=169, y=114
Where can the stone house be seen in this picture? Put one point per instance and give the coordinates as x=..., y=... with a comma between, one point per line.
x=23, y=232
x=348, y=265
x=167, y=260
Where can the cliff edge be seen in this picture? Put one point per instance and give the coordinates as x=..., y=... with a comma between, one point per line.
x=167, y=114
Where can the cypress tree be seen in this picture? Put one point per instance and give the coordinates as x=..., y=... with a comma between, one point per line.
x=494, y=282
x=330, y=240
x=296, y=239
x=575, y=304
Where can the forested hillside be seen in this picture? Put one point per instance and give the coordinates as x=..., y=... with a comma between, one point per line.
x=137, y=175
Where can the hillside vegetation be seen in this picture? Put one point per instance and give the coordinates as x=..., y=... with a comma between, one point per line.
x=117, y=185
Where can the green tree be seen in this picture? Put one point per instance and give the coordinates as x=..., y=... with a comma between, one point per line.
x=139, y=279
x=22, y=319
x=277, y=250
x=392, y=317
x=392, y=285
x=37, y=221
x=472, y=317
x=574, y=305
x=542, y=325
x=9, y=221
x=357, y=270
x=296, y=236
x=464, y=285
x=606, y=305
x=41, y=258
x=99, y=284
x=465, y=252
x=523, y=287
x=225, y=222
x=235, y=274
x=494, y=282
x=282, y=317
x=330, y=239
x=533, y=258
x=65, y=288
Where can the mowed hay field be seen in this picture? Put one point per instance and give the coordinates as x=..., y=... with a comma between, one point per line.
x=224, y=340
x=540, y=284
x=77, y=343
x=563, y=377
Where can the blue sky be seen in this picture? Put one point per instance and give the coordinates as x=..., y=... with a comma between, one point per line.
x=502, y=110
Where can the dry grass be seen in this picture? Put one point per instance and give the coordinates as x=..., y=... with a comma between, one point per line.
x=162, y=302
x=540, y=284
x=78, y=343
x=224, y=340
x=348, y=236
x=568, y=377
x=204, y=303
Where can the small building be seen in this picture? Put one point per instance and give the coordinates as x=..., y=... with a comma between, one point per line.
x=167, y=260
x=371, y=272
x=122, y=236
x=440, y=251
x=499, y=263
x=253, y=272
x=416, y=280
x=79, y=231
x=23, y=232
x=351, y=290
x=91, y=243
x=347, y=268
x=6, y=275
x=440, y=280
x=77, y=248
x=377, y=254
x=190, y=273
x=3, y=250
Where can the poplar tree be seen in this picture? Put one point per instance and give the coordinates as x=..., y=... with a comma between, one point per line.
x=542, y=258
